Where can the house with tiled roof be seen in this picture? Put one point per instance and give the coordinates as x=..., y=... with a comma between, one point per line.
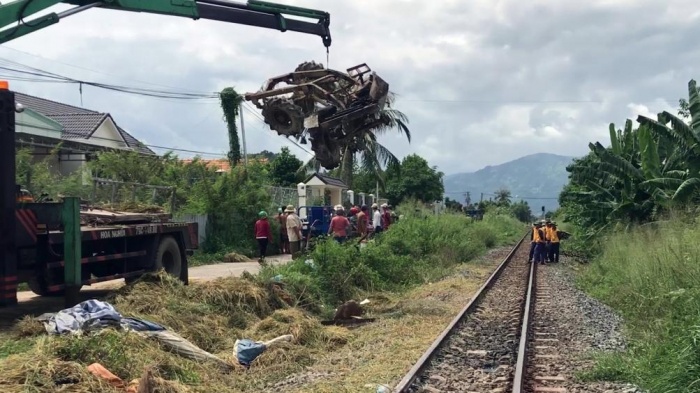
x=44, y=124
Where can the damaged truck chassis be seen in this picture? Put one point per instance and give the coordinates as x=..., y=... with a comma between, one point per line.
x=329, y=107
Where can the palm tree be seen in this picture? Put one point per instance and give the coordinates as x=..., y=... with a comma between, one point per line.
x=503, y=197
x=372, y=155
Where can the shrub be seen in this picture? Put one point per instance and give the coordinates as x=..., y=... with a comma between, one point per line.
x=420, y=247
x=650, y=275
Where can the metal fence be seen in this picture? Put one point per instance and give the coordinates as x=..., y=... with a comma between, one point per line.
x=200, y=219
x=113, y=193
x=283, y=196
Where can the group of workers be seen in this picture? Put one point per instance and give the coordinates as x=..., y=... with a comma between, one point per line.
x=358, y=217
x=544, y=242
x=290, y=231
x=357, y=220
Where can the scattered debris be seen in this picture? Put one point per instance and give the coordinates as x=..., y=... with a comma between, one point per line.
x=236, y=257
x=347, y=310
x=349, y=314
x=247, y=350
x=328, y=106
x=93, y=315
x=100, y=371
x=184, y=348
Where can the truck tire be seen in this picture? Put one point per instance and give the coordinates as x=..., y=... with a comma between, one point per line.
x=169, y=257
x=39, y=286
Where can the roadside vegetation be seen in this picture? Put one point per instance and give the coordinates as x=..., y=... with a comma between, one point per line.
x=650, y=274
x=421, y=248
x=633, y=207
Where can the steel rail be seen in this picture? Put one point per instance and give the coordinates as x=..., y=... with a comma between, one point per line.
x=521, y=364
x=425, y=359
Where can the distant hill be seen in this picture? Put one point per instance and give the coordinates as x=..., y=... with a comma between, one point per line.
x=541, y=175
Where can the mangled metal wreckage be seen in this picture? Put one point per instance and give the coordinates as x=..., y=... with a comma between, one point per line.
x=328, y=107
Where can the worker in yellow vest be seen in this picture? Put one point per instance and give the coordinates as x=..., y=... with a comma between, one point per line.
x=547, y=228
x=539, y=238
x=532, y=241
x=554, y=243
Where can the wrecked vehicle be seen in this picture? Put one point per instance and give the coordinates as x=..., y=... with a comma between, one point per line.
x=328, y=107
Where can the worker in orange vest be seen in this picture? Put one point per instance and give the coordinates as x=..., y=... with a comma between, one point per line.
x=532, y=242
x=554, y=243
x=539, y=238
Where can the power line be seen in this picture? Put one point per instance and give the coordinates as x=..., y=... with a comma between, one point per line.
x=47, y=76
x=83, y=141
x=513, y=197
x=89, y=69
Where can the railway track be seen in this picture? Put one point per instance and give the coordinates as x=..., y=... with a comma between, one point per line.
x=500, y=342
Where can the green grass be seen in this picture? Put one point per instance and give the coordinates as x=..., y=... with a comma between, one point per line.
x=416, y=250
x=12, y=345
x=651, y=275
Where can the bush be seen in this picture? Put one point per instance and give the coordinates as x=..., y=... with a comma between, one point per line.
x=650, y=275
x=420, y=247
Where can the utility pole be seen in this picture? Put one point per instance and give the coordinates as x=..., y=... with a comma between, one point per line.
x=377, y=194
x=245, y=154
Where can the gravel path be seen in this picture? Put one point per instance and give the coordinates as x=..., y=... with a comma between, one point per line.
x=583, y=326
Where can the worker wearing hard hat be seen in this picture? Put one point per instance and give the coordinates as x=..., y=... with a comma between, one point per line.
x=540, y=241
x=554, y=243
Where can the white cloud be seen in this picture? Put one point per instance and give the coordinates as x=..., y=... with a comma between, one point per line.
x=511, y=69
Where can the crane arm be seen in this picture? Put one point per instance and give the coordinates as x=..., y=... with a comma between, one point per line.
x=14, y=23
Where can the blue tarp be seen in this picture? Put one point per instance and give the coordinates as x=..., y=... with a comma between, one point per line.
x=247, y=350
x=93, y=315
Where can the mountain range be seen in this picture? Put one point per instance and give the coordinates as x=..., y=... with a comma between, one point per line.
x=537, y=179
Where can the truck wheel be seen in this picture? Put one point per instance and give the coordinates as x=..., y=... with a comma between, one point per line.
x=39, y=286
x=169, y=256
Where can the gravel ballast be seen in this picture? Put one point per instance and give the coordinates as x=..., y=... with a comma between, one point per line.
x=585, y=326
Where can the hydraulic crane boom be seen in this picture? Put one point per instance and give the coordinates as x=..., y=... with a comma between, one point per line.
x=253, y=13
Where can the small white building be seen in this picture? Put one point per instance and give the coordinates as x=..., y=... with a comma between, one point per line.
x=326, y=188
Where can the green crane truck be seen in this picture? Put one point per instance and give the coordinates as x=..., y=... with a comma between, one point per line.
x=51, y=245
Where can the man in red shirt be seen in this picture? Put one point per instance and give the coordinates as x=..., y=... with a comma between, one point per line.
x=386, y=217
x=362, y=223
x=263, y=234
x=339, y=226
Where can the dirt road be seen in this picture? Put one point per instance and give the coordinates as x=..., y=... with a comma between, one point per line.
x=29, y=303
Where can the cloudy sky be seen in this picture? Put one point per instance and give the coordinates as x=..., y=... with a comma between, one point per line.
x=482, y=81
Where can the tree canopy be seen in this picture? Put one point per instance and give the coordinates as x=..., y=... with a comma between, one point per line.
x=414, y=178
x=283, y=169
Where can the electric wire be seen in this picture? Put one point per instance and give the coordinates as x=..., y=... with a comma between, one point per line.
x=47, y=76
x=95, y=71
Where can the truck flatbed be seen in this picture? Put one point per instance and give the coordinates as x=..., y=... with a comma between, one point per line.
x=111, y=216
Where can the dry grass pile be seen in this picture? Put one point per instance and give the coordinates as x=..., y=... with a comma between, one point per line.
x=211, y=315
x=236, y=257
x=132, y=207
x=39, y=371
x=305, y=329
x=29, y=327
